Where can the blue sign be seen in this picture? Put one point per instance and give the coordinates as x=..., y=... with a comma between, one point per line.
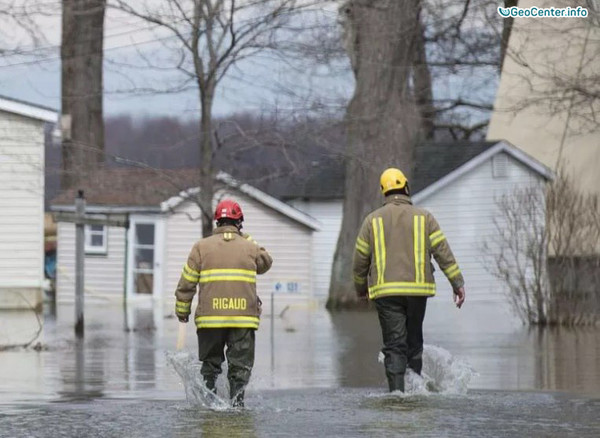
x=287, y=287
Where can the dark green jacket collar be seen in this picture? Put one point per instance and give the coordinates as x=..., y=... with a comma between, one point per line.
x=397, y=199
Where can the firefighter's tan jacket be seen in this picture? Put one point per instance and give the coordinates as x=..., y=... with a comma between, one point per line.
x=394, y=248
x=223, y=267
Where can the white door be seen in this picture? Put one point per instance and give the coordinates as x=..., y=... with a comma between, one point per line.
x=144, y=258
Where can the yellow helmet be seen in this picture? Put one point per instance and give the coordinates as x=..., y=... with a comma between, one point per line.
x=392, y=179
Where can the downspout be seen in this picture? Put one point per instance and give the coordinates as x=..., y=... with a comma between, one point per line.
x=126, y=263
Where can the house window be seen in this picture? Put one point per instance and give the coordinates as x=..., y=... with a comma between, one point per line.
x=95, y=239
x=500, y=166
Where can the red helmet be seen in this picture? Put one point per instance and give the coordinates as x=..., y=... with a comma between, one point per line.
x=228, y=209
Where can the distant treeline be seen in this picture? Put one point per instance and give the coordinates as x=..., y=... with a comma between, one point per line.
x=258, y=149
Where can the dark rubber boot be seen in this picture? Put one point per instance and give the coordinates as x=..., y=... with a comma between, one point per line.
x=210, y=384
x=236, y=394
x=396, y=382
x=416, y=365
x=238, y=400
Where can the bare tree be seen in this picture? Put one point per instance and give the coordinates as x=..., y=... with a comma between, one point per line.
x=20, y=32
x=82, y=88
x=545, y=253
x=455, y=69
x=459, y=54
x=518, y=253
x=382, y=122
x=506, y=30
x=213, y=36
x=555, y=65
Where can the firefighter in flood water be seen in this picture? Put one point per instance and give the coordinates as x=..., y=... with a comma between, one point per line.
x=392, y=265
x=224, y=266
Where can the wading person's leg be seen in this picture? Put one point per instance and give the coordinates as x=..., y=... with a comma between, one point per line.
x=392, y=318
x=211, y=343
x=240, y=360
x=415, y=314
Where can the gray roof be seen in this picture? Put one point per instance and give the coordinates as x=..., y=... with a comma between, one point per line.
x=433, y=161
x=320, y=179
x=315, y=180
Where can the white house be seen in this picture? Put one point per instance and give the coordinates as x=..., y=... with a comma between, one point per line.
x=459, y=182
x=22, y=202
x=144, y=262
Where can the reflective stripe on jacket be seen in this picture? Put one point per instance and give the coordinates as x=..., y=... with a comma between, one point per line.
x=223, y=267
x=393, y=252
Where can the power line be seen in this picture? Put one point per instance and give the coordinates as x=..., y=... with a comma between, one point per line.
x=58, y=57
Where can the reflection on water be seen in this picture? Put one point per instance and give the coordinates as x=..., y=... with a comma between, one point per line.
x=228, y=425
x=567, y=359
x=123, y=353
x=339, y=412
x=316, y=374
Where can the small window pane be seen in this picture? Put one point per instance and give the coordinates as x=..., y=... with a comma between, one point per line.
x=143, y=283
x=95, y=239
x=144, y=234
x=144, y=258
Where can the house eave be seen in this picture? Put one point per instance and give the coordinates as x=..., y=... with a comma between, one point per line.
x=500, y=146
x=28, y=110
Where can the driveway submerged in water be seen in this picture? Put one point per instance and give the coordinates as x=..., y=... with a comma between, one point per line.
x=316, y=374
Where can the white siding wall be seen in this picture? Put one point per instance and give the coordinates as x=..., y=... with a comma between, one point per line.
x=21, y=209
x=465, y=211
x=288, y=242
x=181, y=234
x=104, y=274
x=324, y=242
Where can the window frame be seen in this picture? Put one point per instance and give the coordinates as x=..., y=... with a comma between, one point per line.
x=96, y=249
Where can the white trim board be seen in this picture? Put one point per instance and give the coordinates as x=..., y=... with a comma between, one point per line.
x=28, y=110
x=501, y=146
x=18, y=283
x=158, y=256
x=106, y=209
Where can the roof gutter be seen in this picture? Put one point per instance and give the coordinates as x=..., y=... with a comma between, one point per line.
x=107, y=209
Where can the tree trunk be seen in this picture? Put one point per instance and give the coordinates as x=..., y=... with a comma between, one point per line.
x=207, y=172
x=82, y=118
x=382, y=122
x=506, y=29
x=423, y=84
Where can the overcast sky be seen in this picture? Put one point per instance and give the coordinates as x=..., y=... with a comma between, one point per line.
x=255, y=85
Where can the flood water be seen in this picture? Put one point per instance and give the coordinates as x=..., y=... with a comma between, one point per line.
x=316, y=374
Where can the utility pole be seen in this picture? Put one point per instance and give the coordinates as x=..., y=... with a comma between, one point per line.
x=82, y=124
x=79, y=261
